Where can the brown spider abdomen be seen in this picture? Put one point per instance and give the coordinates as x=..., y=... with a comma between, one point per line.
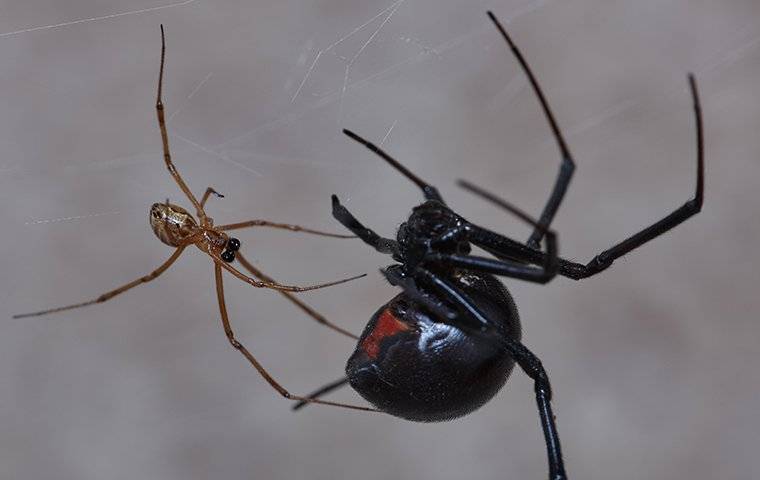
x=172, y=224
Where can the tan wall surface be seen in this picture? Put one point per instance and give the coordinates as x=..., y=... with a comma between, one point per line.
x=654, y=363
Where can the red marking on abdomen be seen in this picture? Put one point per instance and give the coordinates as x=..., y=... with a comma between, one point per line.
x=386, y=326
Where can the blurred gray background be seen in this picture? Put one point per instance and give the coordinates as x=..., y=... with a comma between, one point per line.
x=654, y=362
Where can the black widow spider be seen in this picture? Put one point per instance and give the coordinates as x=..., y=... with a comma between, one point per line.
x=446, y=344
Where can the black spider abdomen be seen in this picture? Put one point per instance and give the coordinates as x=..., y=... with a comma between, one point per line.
x=410, y=365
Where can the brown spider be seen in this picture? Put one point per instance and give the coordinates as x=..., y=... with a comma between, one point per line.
x=177, y=227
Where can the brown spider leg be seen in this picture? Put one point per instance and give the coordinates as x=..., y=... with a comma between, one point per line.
x=307, y=309
x=259, y=368
x=109, y=295
x=274, y=285
x=209, y=191
x=283, y=226
x=165, y=136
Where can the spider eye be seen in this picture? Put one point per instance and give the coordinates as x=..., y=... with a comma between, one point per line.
x=228, y=256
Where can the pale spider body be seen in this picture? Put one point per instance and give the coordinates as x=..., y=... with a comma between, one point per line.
x=177, y=227
x=172, y=224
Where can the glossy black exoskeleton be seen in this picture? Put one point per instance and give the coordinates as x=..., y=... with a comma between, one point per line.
x=410, y=364
x=233, y=245
x=446, y=344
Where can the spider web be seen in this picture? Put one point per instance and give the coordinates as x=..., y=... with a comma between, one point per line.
x=256, y=95
x=327, y=83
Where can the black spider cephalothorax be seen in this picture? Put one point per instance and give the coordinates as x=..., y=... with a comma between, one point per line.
x=432, y=227
x=447, y=343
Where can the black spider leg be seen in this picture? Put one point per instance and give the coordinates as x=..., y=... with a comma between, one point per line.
x=332, y=386
x=530, y=364
x=566, y=168
x=501, y=246
x=429, y=191
x=396, y=277
x=504, y=266
x=368, y=236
